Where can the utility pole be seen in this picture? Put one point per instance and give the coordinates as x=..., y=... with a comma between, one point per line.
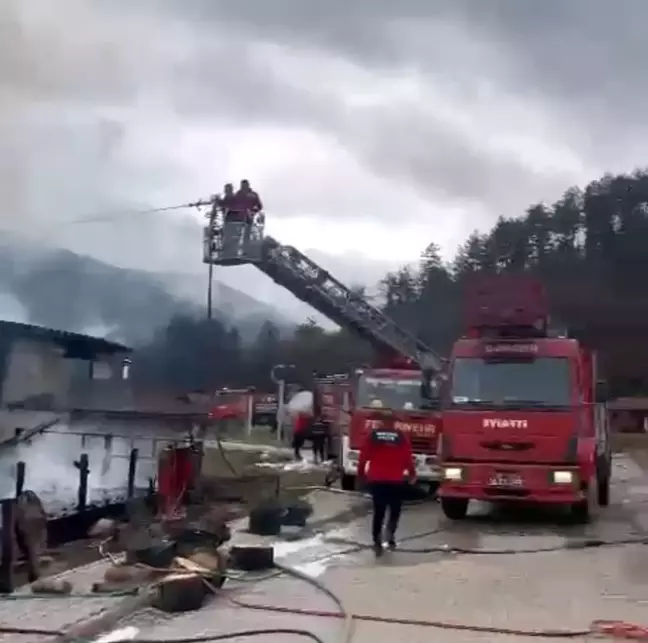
x=278, y=375
x=210, y=266
x=210, y=289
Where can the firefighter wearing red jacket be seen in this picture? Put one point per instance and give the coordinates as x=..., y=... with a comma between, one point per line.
x=386, y=464
x=247, y=200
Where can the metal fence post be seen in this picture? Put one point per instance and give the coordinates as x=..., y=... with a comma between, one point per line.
x=132, y=471
x=249, y=412
x=84, y=470
x=7, y=546
x=21, y=470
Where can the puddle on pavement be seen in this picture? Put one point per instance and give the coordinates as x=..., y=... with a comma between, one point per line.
x=312, y=555
x=487, y=528
x=636, y=492
x=625, y=469
x=286, y=548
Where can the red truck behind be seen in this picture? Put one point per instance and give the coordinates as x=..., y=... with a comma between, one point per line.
x=524, y=415
x=385, y=395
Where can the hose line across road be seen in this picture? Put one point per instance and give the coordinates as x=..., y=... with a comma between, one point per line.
x=491, y=577
x=484, y=579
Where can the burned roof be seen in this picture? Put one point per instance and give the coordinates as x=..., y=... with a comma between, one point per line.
x=75, y=344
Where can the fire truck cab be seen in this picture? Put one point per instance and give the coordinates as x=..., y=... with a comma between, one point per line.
x=524, y=416
x=386, y=395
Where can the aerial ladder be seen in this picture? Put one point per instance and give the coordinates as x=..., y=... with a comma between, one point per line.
x=232, y=243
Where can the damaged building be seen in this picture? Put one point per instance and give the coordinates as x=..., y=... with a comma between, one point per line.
x=65, y=394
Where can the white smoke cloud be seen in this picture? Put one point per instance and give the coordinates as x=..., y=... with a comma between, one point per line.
x=11, y=309
x=51, y=474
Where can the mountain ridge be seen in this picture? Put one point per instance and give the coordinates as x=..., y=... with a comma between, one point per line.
x=59, y=288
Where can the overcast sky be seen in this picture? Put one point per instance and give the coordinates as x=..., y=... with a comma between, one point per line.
x=370, y=127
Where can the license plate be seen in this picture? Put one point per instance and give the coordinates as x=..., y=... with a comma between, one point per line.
x=505, y=480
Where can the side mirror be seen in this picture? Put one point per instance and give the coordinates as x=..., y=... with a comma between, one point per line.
x=429, y=391
x=426, y=384
x=601, y=393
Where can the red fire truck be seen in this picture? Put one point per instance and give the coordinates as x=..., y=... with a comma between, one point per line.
x=385, y=395
x=524, y=416
x=265, y=409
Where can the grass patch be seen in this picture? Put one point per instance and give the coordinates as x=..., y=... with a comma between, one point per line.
x=262, y=435
x=249, y=483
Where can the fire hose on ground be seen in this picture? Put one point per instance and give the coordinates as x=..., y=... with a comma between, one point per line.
x=614, y=629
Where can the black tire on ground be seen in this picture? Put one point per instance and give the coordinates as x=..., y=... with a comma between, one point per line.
x=297, y=513
x=252, y=558
x=180, y=592
x=265, y=519
x=454, y=508
x=348, y=482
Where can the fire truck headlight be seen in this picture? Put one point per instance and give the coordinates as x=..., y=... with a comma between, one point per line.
x=563, y=477
x=354, y=456
x=452, y=473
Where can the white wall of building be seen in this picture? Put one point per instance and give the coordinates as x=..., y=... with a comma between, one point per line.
x=34, y=368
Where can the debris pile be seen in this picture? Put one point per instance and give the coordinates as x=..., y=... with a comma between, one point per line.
x=181, y=560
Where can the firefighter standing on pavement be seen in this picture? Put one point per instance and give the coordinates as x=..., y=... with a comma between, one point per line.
x=386, y=464
x=300, y=433
x=320, y=431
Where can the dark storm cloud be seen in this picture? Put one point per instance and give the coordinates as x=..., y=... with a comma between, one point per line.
x=576, y=47
x=576, y=62
x=584, y=59
x=582, y=62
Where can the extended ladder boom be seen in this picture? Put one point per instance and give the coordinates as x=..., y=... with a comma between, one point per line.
x=291, y=269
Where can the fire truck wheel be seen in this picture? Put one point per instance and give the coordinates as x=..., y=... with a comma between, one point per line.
x=454, y=508
x=603, y=481
x=348, y=482
x=580, y=513
x=603, y=489
x=584, y=511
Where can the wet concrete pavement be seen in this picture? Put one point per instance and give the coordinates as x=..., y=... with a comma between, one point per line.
x=563, y=589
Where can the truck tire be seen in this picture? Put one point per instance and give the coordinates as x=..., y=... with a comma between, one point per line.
x=580, y=513
x=454, y=508
x=348, y=482
x=584, y=511
x=603, y=482
x=603, y=490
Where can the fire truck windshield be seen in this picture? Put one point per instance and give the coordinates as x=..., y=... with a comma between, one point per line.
x=389, y=392
x=544, y=381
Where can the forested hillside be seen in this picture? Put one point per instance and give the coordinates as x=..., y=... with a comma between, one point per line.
x=590, y=249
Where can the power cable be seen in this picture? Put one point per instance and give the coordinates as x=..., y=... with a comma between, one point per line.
x=110, y=216
x=48, y=226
